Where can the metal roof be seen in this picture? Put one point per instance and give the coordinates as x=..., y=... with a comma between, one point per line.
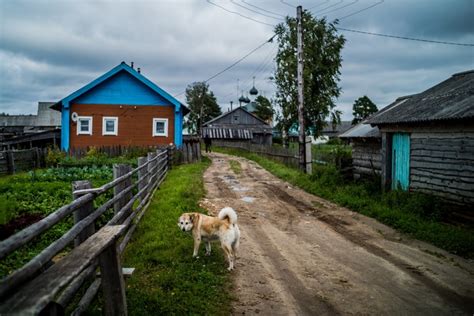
x=361, y=130
x=451, y=99
x=227, y=133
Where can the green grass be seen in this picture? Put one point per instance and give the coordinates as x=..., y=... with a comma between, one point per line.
x=167, y=280
x=416, y=214
x=235, y=166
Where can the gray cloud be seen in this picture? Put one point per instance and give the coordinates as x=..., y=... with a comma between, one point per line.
x=48, y=49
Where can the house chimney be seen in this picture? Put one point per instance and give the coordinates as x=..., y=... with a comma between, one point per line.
x=138, y=69
x=131, y=64
x=231, y=105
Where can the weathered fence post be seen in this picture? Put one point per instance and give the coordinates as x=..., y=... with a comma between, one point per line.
x=190, y=152
x=142, y=176
x=169, y=153
x=120, y=170
x=10, y=162
x=198, y=150
x=308, y=158
x=184, y=151
x=151, y=165
x=112, y=282
x=82, y=212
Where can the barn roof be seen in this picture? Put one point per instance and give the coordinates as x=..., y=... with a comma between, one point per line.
x=121, y=67
x=452, y=99
x=361, y=130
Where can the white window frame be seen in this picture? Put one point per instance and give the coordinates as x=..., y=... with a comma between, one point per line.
x=156, y=120
x=104, y=125
x=78, y=127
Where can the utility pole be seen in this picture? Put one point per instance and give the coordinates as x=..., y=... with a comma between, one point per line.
x=301, y=136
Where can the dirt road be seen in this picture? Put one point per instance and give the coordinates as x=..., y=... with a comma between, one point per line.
x=302, y=255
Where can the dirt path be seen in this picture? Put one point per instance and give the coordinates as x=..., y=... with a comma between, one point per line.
x=302, y=255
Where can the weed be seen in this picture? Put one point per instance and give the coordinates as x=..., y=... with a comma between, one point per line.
x=235, y=166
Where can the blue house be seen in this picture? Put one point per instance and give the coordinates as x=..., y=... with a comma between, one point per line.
x=121, y=107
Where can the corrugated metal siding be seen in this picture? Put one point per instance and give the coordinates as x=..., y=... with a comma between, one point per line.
x=227, y=133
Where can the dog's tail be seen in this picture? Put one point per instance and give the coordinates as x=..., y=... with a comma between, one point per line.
x=229, y=213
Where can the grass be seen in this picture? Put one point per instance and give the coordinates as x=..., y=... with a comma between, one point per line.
x=167, y=280
x=235, y=166
x=415, y=214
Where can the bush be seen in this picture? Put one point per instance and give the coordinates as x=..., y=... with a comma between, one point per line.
x=54, y=156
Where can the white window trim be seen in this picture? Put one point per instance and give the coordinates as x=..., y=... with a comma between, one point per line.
x=110, y=118
x=78, y=127
x=155, y=120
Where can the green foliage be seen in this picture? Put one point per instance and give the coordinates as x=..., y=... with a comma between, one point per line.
x=263, y=108
x=54, y=156
x=322, y=61
x=416, y=214
x=203, y=106
x=235, y=166
x=362, y=108
x=167, y=280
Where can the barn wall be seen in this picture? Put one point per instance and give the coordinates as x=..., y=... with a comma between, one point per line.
x=135, y=124
x=442, y=160
x=366, y=158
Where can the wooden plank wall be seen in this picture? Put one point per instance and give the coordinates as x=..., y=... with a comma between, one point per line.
x=442, y=164
x=366, y=158
x=12, y=161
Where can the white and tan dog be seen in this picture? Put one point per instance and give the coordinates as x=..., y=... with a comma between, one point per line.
x=223, y=227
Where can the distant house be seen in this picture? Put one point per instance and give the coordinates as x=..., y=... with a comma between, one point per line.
x=121, y=107
x=328, y=132
x=427, y=140
x=239, y=125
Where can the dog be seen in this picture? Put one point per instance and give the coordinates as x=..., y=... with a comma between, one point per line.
x=207, y=228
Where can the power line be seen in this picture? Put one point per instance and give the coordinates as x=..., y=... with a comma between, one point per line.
x=239, y=14
x=288, y=4
x=364, y=32
x=318, y=5
x=404, y=37
x=332, y=5
x=235, y=63
x=357, y=12
x=264, y=10
x=344, y=6
x=269, y=16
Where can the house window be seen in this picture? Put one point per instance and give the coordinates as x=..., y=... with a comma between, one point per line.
x=84, y=125
x=110, y=126
x=160, y=127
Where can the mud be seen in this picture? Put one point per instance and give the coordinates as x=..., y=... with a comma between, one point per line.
x=303, y=255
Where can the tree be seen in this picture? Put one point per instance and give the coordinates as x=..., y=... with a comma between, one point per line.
x=263, y=109
x=203, y=106
x=322, y=60
x=362, y=108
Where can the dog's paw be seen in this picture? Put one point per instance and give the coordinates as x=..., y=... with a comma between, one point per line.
x=196, y=257
x=230, y=269
x=208, y=253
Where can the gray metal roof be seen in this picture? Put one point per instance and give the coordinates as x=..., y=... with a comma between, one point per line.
x=451, y=99
x=234, y=110
x=227, y=133
x=361, y=130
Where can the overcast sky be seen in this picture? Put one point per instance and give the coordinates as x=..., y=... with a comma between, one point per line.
x=49, y=49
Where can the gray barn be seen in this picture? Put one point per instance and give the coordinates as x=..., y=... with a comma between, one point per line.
x=428, y=140
x=239, y=125
x=365, y=141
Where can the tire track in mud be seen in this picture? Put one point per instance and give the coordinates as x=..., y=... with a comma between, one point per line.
x=307, y=303
x=340, y=226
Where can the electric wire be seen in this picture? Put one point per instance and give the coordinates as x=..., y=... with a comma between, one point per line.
x=238, y=13
x=234, y=63
x=332, y=5
x=344, y=6
x=264, y=10
x=311, y=8
x=288, y=4
x=362, y=10
x=239, y=5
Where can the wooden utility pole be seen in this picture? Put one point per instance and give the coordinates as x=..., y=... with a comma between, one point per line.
x=301, y=136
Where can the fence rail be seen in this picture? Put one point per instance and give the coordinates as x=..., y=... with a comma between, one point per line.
x=133, y=189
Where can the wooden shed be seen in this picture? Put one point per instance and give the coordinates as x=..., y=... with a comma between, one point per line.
x=239, y=125
x=428, y=140
x=366, y=142
x=121, y=107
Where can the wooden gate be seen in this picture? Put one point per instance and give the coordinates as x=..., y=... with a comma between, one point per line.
x=401, y=161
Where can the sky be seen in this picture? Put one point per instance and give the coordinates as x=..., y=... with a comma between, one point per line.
x=49, y=49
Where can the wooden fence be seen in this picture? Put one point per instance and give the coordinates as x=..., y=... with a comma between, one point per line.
x=47, y=284
x=12, y=161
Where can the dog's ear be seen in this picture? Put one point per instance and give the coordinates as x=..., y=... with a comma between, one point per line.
x=192, y=217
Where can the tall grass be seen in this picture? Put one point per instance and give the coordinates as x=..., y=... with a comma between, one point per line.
x=416, y=214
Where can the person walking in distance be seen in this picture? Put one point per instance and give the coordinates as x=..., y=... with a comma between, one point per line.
x=207, y=142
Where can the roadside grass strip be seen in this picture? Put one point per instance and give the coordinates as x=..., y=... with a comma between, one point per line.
x=416, y=214
x=167, y=280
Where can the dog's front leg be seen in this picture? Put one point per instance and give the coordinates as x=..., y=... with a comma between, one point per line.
x=197, y=242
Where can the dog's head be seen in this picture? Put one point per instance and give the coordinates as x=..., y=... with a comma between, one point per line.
x=186, y=221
